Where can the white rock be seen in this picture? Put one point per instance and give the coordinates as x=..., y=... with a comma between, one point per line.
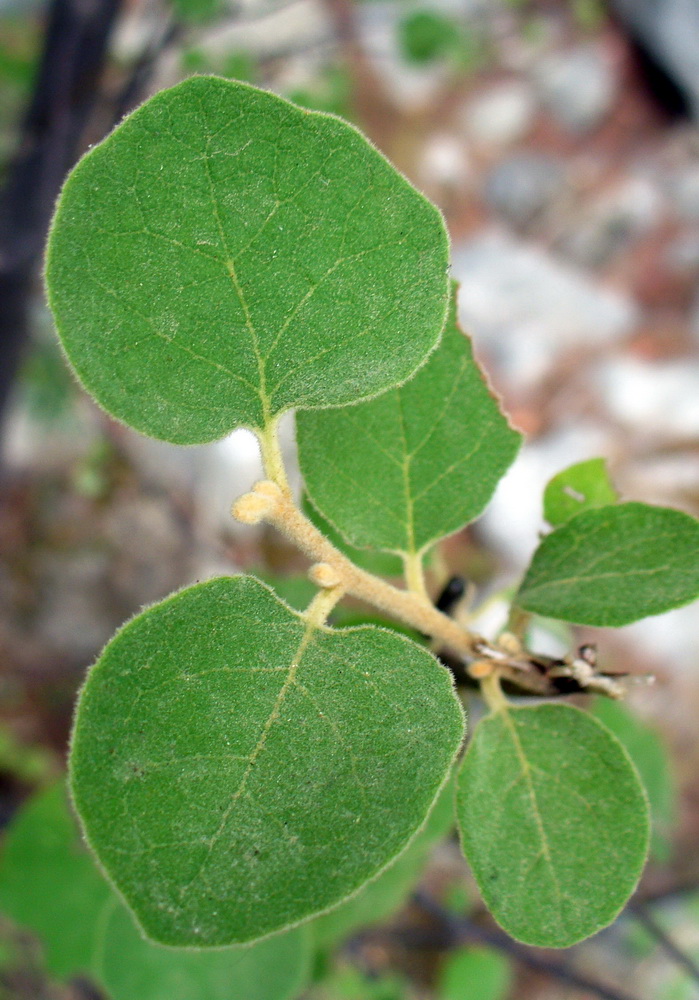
x=501, y=115
x=578, y=85
x=527, y=309
x=659, y=398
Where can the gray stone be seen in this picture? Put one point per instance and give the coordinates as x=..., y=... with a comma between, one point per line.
x=578, y=86
x=613, y=222
x=683, y=189
x=523, y=186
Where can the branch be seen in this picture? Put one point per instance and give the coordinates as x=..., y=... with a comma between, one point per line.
x=461, y=929
x=643, y=915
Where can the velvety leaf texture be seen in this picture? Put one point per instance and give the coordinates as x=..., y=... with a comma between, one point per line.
x=554, y=822
x=49, y=884
x=614, y=565
x=224, y=256
x=415, y=464
x=239, y=769
x=583, y=486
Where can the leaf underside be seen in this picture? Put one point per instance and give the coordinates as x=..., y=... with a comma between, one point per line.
x=583, y=486
x=417, y=463
x=614, y=565
x=554, y=822
x=49, y=883
x=238, y=770
x=224, y=256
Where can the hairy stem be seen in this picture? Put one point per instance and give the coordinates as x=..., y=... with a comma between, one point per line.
x=269, y=502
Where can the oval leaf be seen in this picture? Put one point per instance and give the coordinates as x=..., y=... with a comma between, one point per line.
x=614, y=565
x=416, y=464
x=583, y=486
x=238, y=769
x=49, y=883
x=554, y=822
x=224, y=256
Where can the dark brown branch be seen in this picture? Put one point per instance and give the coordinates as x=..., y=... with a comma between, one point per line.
x=74, y=51
x=646, y=919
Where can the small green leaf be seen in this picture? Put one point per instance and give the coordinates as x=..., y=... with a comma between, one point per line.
x=582, y=486
x=224, y=256
x=239, y=769
x=554, y=822
x=378, y=900
x=418, y=463
x=49, y=883
x=648, y=752
x=475, y=974
x=614, y=565
x=425, y=35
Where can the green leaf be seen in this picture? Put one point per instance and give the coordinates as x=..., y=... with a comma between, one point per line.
x=614, y=565
x=426, y=35
x=475, y=974
x=239, y=769
x=224, y=256
x=582, y=486
x=419, y=462
x=554, y=822
x=648, y=752
x=49, y=884
x=378, y=900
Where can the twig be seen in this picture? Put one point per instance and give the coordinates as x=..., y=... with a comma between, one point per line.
x=460, y=929
x=645, y=918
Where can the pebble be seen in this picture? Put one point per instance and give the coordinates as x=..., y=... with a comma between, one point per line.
x=614, y=222
x=523, y=186
x=683, y=191
x=501, y=115
x=659, y=398
x=578, y=86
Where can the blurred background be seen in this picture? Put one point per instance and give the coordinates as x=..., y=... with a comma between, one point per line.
x=561, y=140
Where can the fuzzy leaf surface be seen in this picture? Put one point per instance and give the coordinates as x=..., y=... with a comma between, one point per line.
x=416, y=464
x=50, y=884
x=554, y=822
x=224, y=256
x=239, y=769
x=583, y=486
x=614, y=565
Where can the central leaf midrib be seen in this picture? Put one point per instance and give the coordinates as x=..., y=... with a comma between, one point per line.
x=538, y=819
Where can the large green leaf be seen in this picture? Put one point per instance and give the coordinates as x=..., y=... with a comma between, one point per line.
x=224, y=256
x=554, y=822
x=239, y=769
x=417, y=463
x=378, y=900
x=648, y=752
x=49, y=883
x=614, y=565
x=582, y=486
